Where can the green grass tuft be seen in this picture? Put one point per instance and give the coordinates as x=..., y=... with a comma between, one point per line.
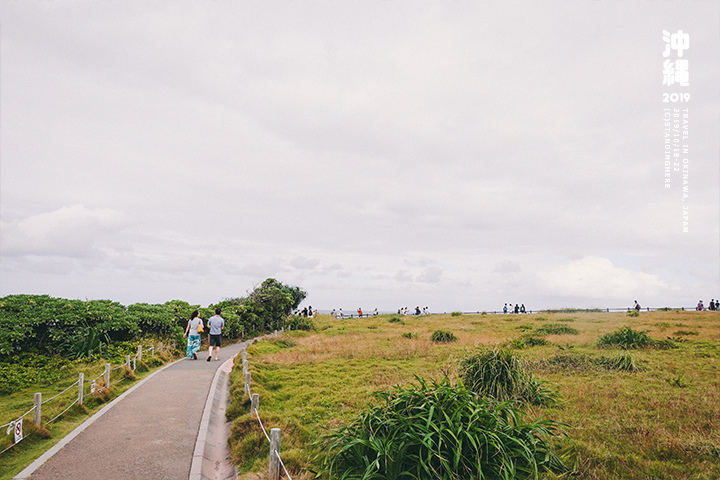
x=556, y=329
x=501, y=374
x=439, y=431
x=625, y=338
x=441, y=336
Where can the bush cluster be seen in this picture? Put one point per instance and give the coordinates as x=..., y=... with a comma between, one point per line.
x=440, y=336
x=627, y=338
x=440, y=431
x=622, y=361
x=556, y=329
x=297, y=322
x=500, y=374
x=73, y=329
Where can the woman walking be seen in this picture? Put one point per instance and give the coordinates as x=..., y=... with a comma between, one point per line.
x=192, y=333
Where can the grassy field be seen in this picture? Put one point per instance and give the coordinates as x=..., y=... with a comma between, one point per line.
x=38, y=440
x=658, y=420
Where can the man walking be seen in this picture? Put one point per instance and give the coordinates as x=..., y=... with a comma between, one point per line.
x=216, y=324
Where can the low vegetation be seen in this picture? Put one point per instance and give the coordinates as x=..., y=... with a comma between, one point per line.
x=628, y=412
x=441, y=431
x=441, y=336
x=555, y=329
x=45, y=342
x=499, y=373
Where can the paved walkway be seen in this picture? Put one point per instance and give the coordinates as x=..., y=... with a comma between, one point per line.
x=148, y=433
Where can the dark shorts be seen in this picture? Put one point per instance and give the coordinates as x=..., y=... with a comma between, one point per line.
x=215, y=340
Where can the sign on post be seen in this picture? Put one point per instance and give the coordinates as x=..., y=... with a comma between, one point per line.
x=16, y=428
x=18, y=431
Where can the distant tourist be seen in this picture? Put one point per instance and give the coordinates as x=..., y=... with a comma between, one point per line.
x=342, y=315
x=417, y=309
x=517, y=308
x=522, y=308
x=359, y=312
x=375, y=312
x=712, y=304
x=717, y=304
x=637, y=306
x=700, y=305
x=505, y=308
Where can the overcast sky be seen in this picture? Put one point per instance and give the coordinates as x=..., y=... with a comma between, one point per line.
x=452, y=154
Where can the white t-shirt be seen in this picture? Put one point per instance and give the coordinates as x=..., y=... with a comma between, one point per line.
x=193, y=326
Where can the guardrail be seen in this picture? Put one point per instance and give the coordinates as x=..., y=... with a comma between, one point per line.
x=579, y=310
x=14, y=427
x=500, y=312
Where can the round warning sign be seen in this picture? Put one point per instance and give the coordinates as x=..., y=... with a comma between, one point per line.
x=18, y=431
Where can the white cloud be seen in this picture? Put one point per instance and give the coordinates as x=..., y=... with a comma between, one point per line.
x=597, y=278
x=430, y=275
x=67, y=232
x=303, y=263
x=447, y=151
x=507, y=266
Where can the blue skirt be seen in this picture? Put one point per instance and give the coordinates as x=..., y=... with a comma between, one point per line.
x=193, y=345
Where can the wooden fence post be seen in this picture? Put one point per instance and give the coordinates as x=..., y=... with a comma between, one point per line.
x=37, y=414
x=81, y=384
x=274, y=472
x=127, y=360
x=247, y=383
x=245, y=367
x=139, y=354
x=244, y=355
x=107, y=375
x=255, y=402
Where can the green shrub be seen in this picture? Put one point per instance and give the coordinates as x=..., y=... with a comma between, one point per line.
x=283, y=342
x=623, y=361
x=297, y=322
x=625, y=338
x=438, y=431
x=525, y=342
x=667, y=344
x=409, y=335
x=569, y=361
x=20, y=371
x=396, y=320
x=456, y=314
x=556, y=329
x=501, y=374
x=440, y=336
x=677, y=381
x=633, y=313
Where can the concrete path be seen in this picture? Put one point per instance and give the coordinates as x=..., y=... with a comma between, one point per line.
x=151, y=431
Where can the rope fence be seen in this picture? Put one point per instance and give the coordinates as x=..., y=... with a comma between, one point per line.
x=275, y=461
x=14, y=427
